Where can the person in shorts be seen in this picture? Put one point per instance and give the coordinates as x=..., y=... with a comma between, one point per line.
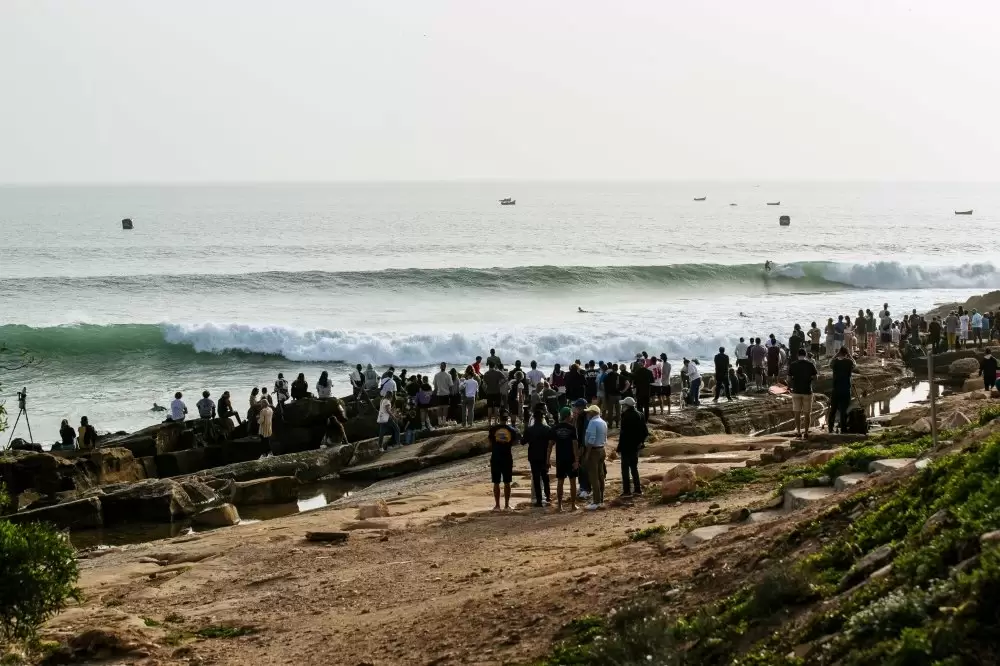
x=502, y=438
x=495, y=385
x=801, y=374
x=566, y=445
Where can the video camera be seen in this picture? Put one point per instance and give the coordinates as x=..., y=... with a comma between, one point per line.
x=22, y=398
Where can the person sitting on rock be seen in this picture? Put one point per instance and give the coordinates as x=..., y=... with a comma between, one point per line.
x=324, y=387
x=206, y=406
x=300, y=387
x=68, y=436
x=226, y=407
x=281, y=389
x=88, y=436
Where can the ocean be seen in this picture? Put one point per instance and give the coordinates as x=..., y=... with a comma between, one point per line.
x=221, y=287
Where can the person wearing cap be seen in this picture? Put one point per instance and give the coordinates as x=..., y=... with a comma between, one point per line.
x=594, y=440
x=801, y=374
x=632, y=436
x=538, y=437
x=567, y=448
x=502, y=438
x=580, y=419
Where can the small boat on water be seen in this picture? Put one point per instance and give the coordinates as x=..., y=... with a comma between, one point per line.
x=963, y=212
x=127, y=224
x=732, y=204
x=700, y=198
x=773, y=203
x=507, y=202
x=785, y=221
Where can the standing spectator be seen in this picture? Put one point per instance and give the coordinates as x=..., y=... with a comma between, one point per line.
x=538, y=437
x=840, y=397
x=265, y=419
x=977, y=328
x=988, y=370
x=567, y=448
x=494, y=360
x=206, y=406
x=357, y=383
x=493, y=385
x=801, y=373
x=694, y=380
x=425, y=402
x=722, y=374
x=631, y=438
x=861, y=331
x=951, y=329
x=470, y=389
x=387, y=424
x=642, y=382
x=535, y=375
x=595, y=439
x=502, y=438
x=442, y=393
x=612, y=396
x=371, y=378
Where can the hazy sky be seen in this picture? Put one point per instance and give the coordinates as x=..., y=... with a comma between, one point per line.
x=130, y=90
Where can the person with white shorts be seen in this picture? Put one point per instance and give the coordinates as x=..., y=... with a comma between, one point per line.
x=801, y=374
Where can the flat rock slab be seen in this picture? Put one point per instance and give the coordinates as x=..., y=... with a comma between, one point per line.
x=730, y=457
x=766, y=516
x=700, y=445
x=796, y=498
x=889, y=464
x=847, y=480
x=704, y=534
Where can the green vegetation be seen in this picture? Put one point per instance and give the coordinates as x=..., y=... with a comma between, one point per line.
x=150, y=622
x=937, y=605
x=647, y=533
x=220, y=631
x=38, y=573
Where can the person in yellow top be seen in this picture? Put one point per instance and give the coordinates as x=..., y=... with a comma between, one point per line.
x=87, y=439
x=265, y=420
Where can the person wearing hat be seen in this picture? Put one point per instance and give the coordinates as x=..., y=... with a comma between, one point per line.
x=567, y=448
x=580, y=419
x=502, y=438
x=632, y=436
x=594, y=440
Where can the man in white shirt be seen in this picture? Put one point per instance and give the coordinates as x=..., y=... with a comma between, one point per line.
x=665, y=388
x=595, y=437
x=178, y=410
x=470, y=389
x=387, y=423
x=534, y=375
x=963, y=329
x=442, y=393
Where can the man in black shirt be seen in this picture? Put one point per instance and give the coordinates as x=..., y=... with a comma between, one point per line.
x=502, y=437
x=722, y=374
x=538, y=437
x=988, y=369
x=567, y=448
x=612, y=394
x=642, y=380
x=631, y=438
x=590, y=375
x=934, y=334
x=842, y=366
x=796, y=342
x=801, y=374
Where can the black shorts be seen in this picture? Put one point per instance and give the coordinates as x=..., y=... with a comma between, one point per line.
x=816, y=347
x=564, y=469
x=502, y=469
x=513, y=406
x=494, y=400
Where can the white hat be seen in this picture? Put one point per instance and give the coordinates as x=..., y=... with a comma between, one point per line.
x=628, y=402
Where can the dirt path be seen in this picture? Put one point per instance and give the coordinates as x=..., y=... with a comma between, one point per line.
x=442, y=580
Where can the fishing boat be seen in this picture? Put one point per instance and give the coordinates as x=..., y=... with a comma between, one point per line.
x=773, y=203
x=785, y=221
x=507, y=202
x=127, y=224
x=700, y=198
x=963, y=212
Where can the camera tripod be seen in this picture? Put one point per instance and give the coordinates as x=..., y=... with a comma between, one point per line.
x=22, y=409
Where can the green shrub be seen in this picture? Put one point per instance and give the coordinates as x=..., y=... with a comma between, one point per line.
x=37, y=576
x=647, y=533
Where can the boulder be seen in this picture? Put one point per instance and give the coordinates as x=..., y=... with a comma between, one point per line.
x=307, y=466
x=158, y=501
x=963, y=367
x=676, y=487
x=49, y=473
x=706, y=472
x=77, y=514
x=185, y=461
x=956, y=420
x=201, y=494
x=223, y=515
x=377, y=510
x=820, y=458
x=270, y=490
x=426, y=453
x=681, y=471
x=922, y=426
x=973, y=384
x=873, y=561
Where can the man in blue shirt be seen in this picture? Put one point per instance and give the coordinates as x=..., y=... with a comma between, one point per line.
x=594, y=440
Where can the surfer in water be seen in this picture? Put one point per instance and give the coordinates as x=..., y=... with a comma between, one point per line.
x=743, y=314
x=767, y=266
x=581, y=310
x=158, y=408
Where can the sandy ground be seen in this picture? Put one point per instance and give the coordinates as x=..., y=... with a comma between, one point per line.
x=442, y=580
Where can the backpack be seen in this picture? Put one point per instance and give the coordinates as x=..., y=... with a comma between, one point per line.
x=857, y=421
